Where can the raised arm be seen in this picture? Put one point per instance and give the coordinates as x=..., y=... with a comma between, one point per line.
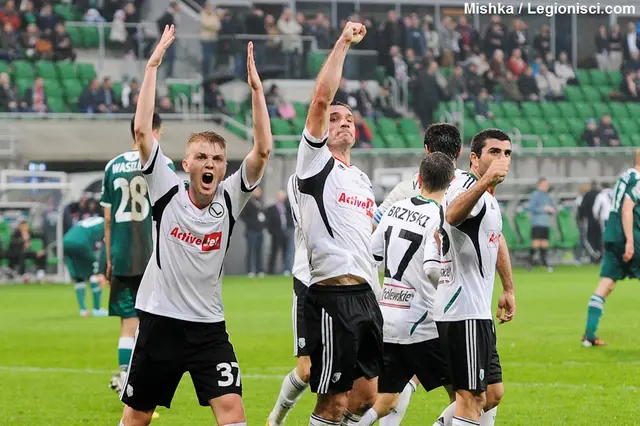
x=256, y=160
x=142, y=124
x=328, y=80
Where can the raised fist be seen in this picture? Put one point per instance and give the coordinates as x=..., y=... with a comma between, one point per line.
x=353, y=32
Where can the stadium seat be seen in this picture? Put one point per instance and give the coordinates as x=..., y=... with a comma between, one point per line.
x=585, y=111
x=74, y=34
x=626, y=126
x=395, y=141
x=635, y=139
x=550, y=141
x=618, y=110
x=65, y=11
x=550, y=110
x=496, y=109
x=288, y=144
x=300, y=108
x=583, y=77
x=511, y=110
x=574, y=94
x=599, y=78
x=568, y=140
x=522, y=125
x=504, y=124
x=615, y=77
x=569, y=232
x=470, y=129
x=378, y=140
x=86, y=72
x=531, y=109
x=56, y=104
x=509, y=235
x=52, y=89
x=72, y=90
x=523, y=227
x=22, y=70
x=4, y=67
x=315, y=60
x=591, y=94
x=634, y=109
x=577, y=126
x=90, y=36
x=23, y=84
x=66, y=70
x=117, y=89
x=567, y=110
x=559, y=125
x=600, y=108
x=539, y=126
x=408, y=126
x=280, y=127
x=605, y=92
x=387, y=126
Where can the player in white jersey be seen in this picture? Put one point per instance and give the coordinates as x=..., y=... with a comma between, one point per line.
x=182, y=327
x=471, y=235
x=344, y=323
x=405, y=240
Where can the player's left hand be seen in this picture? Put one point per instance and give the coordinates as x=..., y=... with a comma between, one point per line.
x=168, y=36
x=628, y=251
x=506, y=307
x=252, y=72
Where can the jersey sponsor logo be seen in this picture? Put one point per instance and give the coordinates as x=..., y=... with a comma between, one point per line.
x=216, y=210
x=128, y=167
x=208, y=242
x=356, y=202
x=494, y=239
x=397, y=296
x=409, y=216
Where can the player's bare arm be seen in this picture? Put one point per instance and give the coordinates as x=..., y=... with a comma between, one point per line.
x=507, y=301
x=627, y=227
x=256, y=160
x=460, y=208
x=328, y=80
x=107, y=240
x=147, y=97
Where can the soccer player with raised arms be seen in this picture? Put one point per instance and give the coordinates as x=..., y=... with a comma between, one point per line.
x=182, y=326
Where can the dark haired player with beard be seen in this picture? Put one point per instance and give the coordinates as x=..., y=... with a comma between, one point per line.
x=182, y=325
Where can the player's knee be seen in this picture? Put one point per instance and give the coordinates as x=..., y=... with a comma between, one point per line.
x=331, y=406
x=133, y=417
x=386, y=403
x=228, y=409
x=128, y=327
x=304, y=369
x=481, y=400
x=494, y=395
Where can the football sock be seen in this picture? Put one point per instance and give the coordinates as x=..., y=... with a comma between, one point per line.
x=125, y=348
x=394, y=418
x=292, y=389
x=461, y=421
x=369, y=418
x=543, y=257
x=316, y=420
x=594, y=312
x=532, y=253
x=447, y=415
x=237, y=424
x=97, y=292
x=80, y=294
x=488, y=418
x=350, y=419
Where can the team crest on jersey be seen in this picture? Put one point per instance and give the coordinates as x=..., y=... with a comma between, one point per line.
x=208, y=242
x=216, y=210
x=302, y=342
x=356, y=202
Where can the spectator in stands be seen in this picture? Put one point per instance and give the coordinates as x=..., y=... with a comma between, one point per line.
x=415, y=36
x=254, y=220
x=35, y=99
x=132, y=17
x=548, y=60
x=457, y=84
x=8, y=95
x=615, y=48
x=62, y=44
x=209, y=28
x=564, y=70
x=364, y=135
x=634, y=62
x=34, y=46
x=475, y=82
x=47, y=20
x=168, y=19
x=111, y=101
x=291, y=43
x=321, y=30
x=480, y=61
x=129, y=90
x=399, y=66
x=393, y=34
x=631, y=43
x=516, y=64
x=519, y=38
x=431, y=37
x=497, y=66
x=20, y=250
x=607, y=132
x=254, y=24
x=274, y=100
x=214, y=101
x=278, y=222
x=591, y=136
x=449, y=39
x=510, y=89
x=27, y=14
x=165, y=107
x=427, y=94
x=9, y=14
x=413, y=63
x=542, y=41
x=364, y=100
x=468, y=37
x=92, y=100
x=342, y=94
x=528, y=86
x=550, y=86
x=9, y=45
x=384, y=104
x=628, y=87
x=274, y=41
x=602, y=48
x=482, y=105
x=495, y=37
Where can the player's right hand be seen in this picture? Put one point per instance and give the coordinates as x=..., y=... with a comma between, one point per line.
x=506, y=307
x=353, y=32
x=168, y=36
x=496, y=173
x=628, y=251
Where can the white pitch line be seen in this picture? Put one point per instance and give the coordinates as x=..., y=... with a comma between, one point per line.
x=258, y=376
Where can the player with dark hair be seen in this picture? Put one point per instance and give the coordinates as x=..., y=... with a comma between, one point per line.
x=182, y=327
x=405, y=240
x=128, y=241
x=471, y=238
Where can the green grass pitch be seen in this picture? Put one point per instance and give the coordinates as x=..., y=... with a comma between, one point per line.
x=55, y=366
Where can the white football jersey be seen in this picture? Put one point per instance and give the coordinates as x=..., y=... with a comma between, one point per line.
x=407, y=298
x=182, y=279
x=300, y=257
x=336, y=212
x=469, y=255
x=406, y=189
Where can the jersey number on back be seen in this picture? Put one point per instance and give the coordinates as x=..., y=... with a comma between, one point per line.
x=414, y=244
x=136, y=190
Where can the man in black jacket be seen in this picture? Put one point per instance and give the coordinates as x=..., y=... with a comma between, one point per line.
x=253, y=217
x=279, y=221
x=587, y=222
x=166, y=20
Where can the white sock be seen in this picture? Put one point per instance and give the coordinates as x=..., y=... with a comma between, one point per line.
x=292, y=389
x=316, y=420
x=395, y=417
x=369, y=418
x=350, y=419
x=446, y=418
x=461, y=421
x=237, y=424
x=488, y=418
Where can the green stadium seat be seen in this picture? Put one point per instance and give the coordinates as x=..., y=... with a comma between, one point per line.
x=66, y=70
x=288, y=144
x=470, y=129
x=52, y=89
x=511, y=110
x=625, y=140
x=176, y=89
x=65, y=11
x=568, y=140
x=470, y=109
x=619, y=110
x=569, y=231
x=577, y=126
x=531, y=109
x=280, y=127
x=626, y=126
x=381, y=73
x=72, y=90
x=23, y=84
x=387, y=126
x=615, y=77
x=551, y=141
x=522, y=125
x=574, y=94
x=583, y=77
x=74, y=34
x=523, y=227
x=606, y=91
x=232, y=106
x=378, y=141
x=550, y=110
x=554, y=242
x=315, y=60
x=559, y=125
x=635, y=139
x=510, y=235
x=408, y=126
x=634, y=109
x=567, y=110
x=496, y=109
x=235, y=129
x=300, y=108
x=86, y=71
x=504, y=124
x=599, y=78
x=4, y=67
x=600, y=109
x=539, y=126
x=56, y=104
x=591, y=94
x=486, y=124
x=585, y=111
x=90, y=36
x=395, y=141
x=298, y=124
x=22, y=70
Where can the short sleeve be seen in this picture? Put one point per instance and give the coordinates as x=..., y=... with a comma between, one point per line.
x=313, y=155
x=159, y=176
x=105, y=198
x=237, y=191
x=377, y=241
x=458, y=187
x=431, y=262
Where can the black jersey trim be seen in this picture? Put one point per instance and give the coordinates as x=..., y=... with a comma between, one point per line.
x=471, y=227
x=314, y=186
x=316, y=145
x=149, y=170
x=243, y=185
x=156, y=213
x=232, y=223
x=378, y=258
